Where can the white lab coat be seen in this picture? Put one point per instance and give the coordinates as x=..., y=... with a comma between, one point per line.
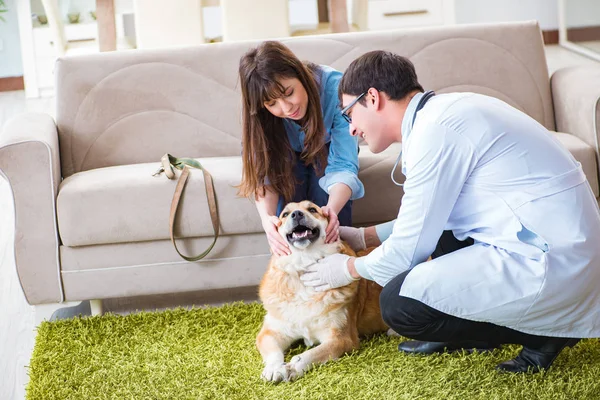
x=478, y=167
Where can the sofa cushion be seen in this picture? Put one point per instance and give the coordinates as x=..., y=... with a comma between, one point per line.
x=382, y=198
x=127, y=204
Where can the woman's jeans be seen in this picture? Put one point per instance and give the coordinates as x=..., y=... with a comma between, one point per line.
x=307, y=188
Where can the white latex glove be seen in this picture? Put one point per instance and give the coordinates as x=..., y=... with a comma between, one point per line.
x=328, y=273
x=355, y=237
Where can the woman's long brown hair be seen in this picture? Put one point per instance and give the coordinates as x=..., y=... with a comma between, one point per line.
x=266, y=151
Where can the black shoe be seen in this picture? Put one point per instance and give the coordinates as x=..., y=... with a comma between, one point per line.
x=533, y=361
x=419, y=347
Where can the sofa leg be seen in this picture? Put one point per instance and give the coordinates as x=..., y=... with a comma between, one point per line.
x=54, y=311
x=68, y=309
x=96, y=307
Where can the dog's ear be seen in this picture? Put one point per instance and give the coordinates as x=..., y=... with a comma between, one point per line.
x=319, y=210
x=286, y=210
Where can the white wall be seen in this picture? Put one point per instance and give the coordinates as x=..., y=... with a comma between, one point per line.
x=10, y=48
x=475, y=11
x=582, y=13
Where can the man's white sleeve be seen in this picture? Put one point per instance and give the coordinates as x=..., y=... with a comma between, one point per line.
x=438, y=162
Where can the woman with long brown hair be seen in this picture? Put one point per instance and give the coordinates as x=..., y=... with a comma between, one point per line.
x=295, y=141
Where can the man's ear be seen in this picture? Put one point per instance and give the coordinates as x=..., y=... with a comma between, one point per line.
x=375, y=98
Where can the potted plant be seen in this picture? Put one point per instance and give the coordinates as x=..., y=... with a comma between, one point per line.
x=3, y=9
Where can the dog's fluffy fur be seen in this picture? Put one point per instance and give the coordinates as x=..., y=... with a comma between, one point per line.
x=333, y=319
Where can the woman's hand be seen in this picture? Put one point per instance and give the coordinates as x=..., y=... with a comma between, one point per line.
x=332, y=232
x=277, y=244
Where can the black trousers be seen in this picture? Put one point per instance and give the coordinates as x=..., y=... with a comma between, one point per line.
x=416, y=320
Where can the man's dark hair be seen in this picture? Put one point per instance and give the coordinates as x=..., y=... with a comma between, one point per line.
x=383, y=70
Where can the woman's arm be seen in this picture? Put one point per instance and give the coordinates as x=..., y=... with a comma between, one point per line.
x=339, y=194
x=267, y=204
x=342, y=161
x=341, y=174
x=267, y=207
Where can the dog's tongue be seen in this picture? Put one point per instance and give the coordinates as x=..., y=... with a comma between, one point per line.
x=297, y=235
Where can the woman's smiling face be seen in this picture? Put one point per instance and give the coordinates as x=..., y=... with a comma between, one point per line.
x=292, y=104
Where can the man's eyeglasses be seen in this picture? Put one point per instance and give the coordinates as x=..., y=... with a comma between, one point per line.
x=349, y=106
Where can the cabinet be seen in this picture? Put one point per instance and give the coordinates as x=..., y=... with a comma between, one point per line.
x=45, y=53
x=395, y=14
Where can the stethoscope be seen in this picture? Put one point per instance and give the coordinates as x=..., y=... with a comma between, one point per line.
x=428, y=95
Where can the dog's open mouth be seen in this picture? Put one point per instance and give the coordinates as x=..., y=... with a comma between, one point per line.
x=302, y=232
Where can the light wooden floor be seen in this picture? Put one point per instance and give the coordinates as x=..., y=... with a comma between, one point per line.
x=17, y=330
x=592, y=45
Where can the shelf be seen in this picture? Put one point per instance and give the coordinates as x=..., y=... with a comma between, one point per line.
x=73, y=32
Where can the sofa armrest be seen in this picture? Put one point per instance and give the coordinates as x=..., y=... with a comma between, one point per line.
x=576, y=98
x=29, y=160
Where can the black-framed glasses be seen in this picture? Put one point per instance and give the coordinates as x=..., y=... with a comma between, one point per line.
x=349, y=106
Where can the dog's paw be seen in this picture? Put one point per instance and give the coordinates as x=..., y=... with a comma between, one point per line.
x=275, y=373
x=295, y=368
x=392, y=333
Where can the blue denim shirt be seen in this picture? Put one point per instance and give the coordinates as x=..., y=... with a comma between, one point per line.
x=342, y=161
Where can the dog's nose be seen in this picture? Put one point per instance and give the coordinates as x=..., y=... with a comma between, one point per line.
x=297, y=215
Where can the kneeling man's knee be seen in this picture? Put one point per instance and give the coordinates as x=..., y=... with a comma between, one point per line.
x=402, y=314
x=396, y=313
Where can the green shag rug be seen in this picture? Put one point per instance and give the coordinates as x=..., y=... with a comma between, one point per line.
x=209, y=353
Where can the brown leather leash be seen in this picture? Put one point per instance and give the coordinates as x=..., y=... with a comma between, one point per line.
x=168, y=162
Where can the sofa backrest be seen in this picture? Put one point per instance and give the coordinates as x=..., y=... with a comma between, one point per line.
x=133, y=106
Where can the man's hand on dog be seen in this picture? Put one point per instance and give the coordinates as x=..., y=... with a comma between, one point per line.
x=328, y=273
x=332, y=232
x=277, y=244
x=355, y=237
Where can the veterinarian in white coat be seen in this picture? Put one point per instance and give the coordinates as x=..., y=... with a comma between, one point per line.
x=488, y=181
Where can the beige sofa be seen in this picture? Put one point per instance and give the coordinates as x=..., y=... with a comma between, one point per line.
x=92, y=221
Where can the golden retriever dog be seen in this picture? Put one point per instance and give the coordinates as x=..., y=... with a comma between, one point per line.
x=332, y=320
